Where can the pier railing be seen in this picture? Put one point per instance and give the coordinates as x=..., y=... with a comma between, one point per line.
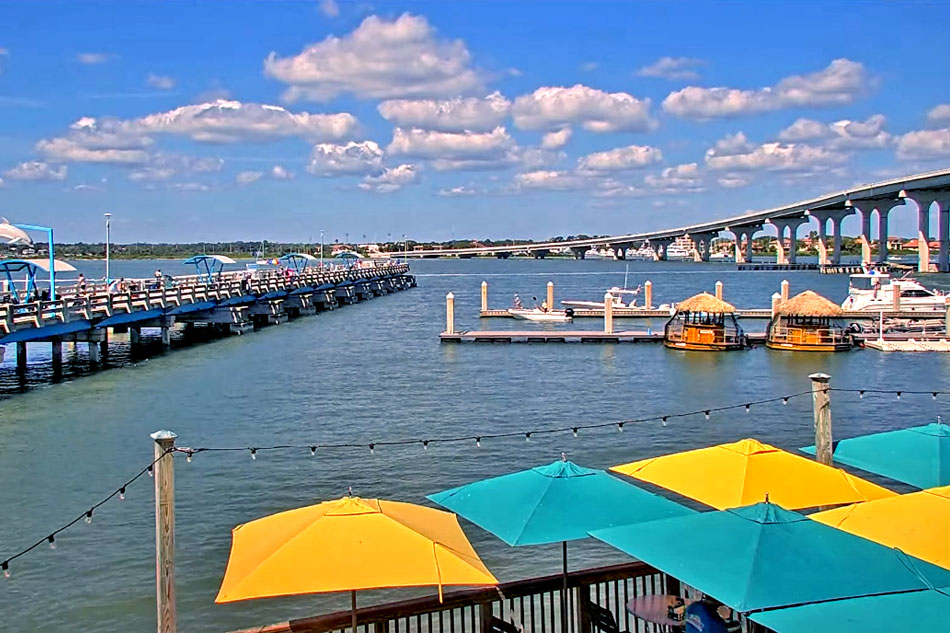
x=533, y=604
x=100, y=303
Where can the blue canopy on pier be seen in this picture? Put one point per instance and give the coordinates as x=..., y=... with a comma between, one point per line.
x=11, y=269
x=125, y=318
x=209, y=265
x=188, y=308
x=47, y=332
x=238, y=301
x=919, y=456
x=298, y=261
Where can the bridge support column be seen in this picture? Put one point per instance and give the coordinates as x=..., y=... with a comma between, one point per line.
x=659, y=247
x=943, y=231
x=166, y=337
x=57, y=356
x=578, y=251
x=882, y=235
x=620, y=251
x=739, y=253
x=865, y=237
x=923, y=234
x=94, y=356
x=135, y=335
x=836, y=243
x=703, y=246
x=21, y=356
x=749, y=250
x=836, y=216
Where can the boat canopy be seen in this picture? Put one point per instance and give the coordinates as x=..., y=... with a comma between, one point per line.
x=25, y=271
x=298, y=261
x=209, y=265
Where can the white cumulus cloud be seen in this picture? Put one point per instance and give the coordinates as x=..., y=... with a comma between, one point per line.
x=456, y=192
x=595, y=110
x=248, y=177
x=736, y=154
x=840, y=83
x=381, y=59
x=673, y=68
x=91, y=59
x=328, y=159
x=329, y=8
x=448, y=115
x=392, y=179
x=924, y=144
x=548, y=179
x=679, y=179
x=451, y=146
x=556, y=139
x=620, y=159
x=70, y=150
x=279, y=172
x=844, y=134
x=939, y=114
x=36, y=171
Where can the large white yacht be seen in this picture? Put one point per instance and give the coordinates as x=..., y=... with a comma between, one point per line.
x=874, y=292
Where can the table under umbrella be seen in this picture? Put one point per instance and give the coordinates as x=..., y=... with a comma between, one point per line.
x=555, y=503
x=349, y=544
x=763, y=556
x=744, y=472
x=919, y=456
x=917, y=523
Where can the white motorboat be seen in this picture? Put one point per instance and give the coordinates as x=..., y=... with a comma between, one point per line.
x=874, y=292
x=542, y=316
x=617, y=295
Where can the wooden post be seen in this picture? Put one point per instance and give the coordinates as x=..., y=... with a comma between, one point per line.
x=583, y=614
x=164, y=474
x=484, y=296
x=550, y=295
x=57, y=356
x=21, y=356
x=648, y=294
x=946, y=321
x=608, y=313
x=484, y=617
x=719, y=290
x=821, y=404
x=784, y=290
x=450, y=313
x=896, y=298
x=776, y=302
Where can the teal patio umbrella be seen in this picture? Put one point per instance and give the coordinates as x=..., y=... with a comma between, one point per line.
x=915, y=610
x=919, y=456
x=763, y=556
x=556, y=503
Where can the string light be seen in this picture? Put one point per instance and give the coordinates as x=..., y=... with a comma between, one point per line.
x=527, y=436
x=664, y=419
x=620, y=427
x=5, y=566
x=784, y=400
x=52, y=541
x=574, y=429
x=707, y=413
x=253, y=453
x=89, y=515
x=934, y=394
x=898, y=395
x=861, y=394
x=122, y=493
x=425, y=445
x=150, y=473
x=478, y=442
x=748, y=407
x=188, y=455
x=372, y=449
x=313, y=451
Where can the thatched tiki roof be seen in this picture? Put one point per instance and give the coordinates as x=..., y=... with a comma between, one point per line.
x=810, y=304
x=705, y=302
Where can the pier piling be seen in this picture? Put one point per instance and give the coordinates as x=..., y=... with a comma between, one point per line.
x=550, y=297
x=897, y=298
x=776, y=302
x=648, y=294
x=784, y=290
x=719, y=290
x=946, y=322
x=94, y=355
x=57, y=356
x=484, y=296
x=163, y=471
x=821, y=403
x=21, y=356
x=450, y=313
x=608, y=313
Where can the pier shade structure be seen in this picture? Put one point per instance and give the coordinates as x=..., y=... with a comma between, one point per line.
x=808, y=322
x=705, y=323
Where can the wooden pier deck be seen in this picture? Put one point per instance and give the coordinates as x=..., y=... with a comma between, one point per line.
x=563, y=336
x=741, y=313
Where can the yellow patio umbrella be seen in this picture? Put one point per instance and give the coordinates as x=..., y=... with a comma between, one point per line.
x=349, y=544
x=744, y=472
x=917, y=523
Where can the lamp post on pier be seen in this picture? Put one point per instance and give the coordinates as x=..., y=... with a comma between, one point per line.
x=321, y=249
x=405, y=257
x=108, y=236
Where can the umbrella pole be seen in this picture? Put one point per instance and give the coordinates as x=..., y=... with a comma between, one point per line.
x=564, y=627
x=353, y=608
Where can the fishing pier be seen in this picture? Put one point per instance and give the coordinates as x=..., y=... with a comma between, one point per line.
x=225, y=302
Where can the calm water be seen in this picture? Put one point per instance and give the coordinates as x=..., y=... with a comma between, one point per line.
x=369, y=372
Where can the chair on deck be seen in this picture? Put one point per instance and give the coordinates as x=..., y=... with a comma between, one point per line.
x=602, y=619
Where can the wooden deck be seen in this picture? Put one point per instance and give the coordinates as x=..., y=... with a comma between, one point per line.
x=563, y=336
x=742, y=313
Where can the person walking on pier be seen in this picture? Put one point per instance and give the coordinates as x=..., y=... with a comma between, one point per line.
x=81, y=284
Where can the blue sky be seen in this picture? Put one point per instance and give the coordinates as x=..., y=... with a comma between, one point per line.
x=275, y=120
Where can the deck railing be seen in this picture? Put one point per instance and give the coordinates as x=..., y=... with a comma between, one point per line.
x=812, y=336
x=533, y=604
x=73, y=305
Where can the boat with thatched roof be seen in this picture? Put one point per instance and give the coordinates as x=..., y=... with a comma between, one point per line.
x=809, y=322
x=704, y=322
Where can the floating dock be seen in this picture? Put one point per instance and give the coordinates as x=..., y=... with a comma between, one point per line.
x=563, y=336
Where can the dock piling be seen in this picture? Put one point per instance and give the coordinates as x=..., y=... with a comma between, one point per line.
x=94, y=355
x=719, y=290
x=484, y=296
x=821, y=405
x=164, y=475
x=776, y=302
x=608, y=313
x=550, y=296
x=648, y=294
x=897, y=298
x=57, y=356
x=450, y=313
x=946, y=322
x=21, y=356
x=784, y=290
